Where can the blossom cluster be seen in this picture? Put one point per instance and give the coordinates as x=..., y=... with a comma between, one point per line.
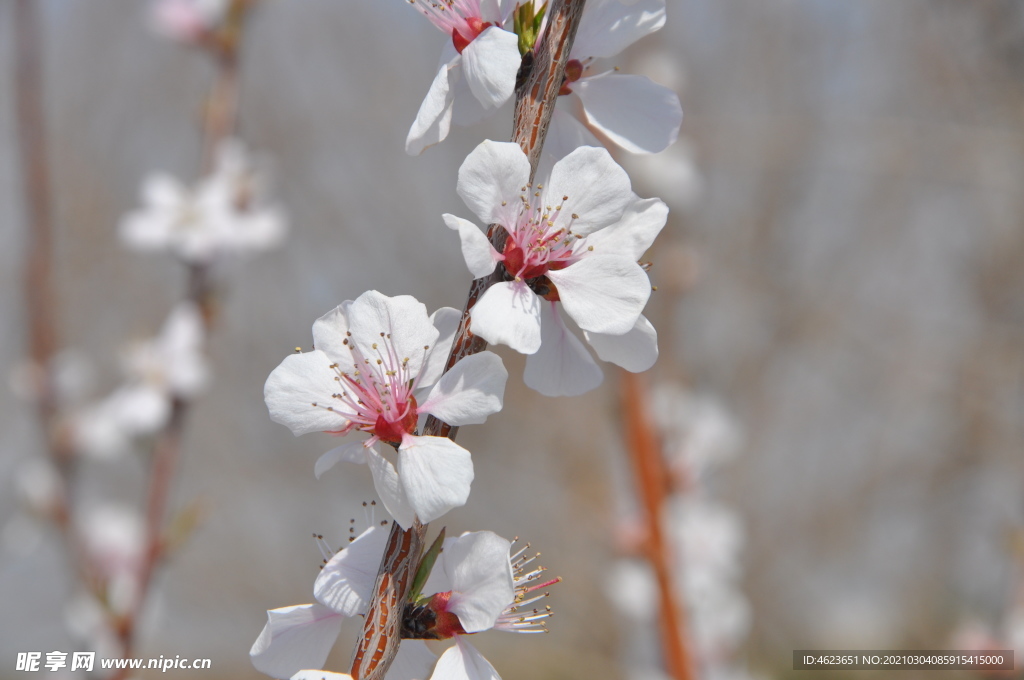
x=116, y=546
x=564, y=281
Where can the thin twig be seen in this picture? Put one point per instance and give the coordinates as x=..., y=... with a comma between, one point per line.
x=535, y=102
x=219, y=123
x=40, y=300
x=652, y=480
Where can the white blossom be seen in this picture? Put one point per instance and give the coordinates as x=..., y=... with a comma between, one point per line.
x=573, y=240
x=631, y=111
x=225, y=213
x=373, y=362
x=477, y=71
x=170, y=366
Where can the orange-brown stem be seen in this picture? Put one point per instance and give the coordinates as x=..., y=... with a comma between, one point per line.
x=219, y=123
x=652, y=483
x=535, y=102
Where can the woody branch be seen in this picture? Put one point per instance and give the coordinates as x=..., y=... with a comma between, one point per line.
x=536, y=93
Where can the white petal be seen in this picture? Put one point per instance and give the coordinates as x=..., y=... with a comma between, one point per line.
x=635, y=351
x=634, y=233
x=163, y=192
x=480, y=255
x=389, y=488
x=463, y=662
x=402, y=319
x=345, y=584
x=309, y=674
x=508, y=313
x=330, y=332
x=609, y=26
x=261, y=229
x=482, y=584
x=603, y=293
x=597, y=188
x=181, y=344
x=633, y=111
x=566, y=134
x=413, y=662
x=435, y=474
x=491, y=62
x=298, y=393
x=562, y=367
x=353, y=452
x=295, y=638
x=493, y=174
x=146, y=231
x=470, y=392
x=446, y=321
x=434, y=119
x=139, y=409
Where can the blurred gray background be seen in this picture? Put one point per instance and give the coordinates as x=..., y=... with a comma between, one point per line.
x=856, y=297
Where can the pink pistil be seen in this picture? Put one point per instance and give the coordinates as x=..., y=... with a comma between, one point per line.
x=534, y=247
x=377, y=395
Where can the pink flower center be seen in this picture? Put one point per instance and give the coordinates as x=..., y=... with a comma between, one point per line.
x=462, y=36
x=377, y=392
x=535, y=246
x=461, y=19
x=446, y=623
